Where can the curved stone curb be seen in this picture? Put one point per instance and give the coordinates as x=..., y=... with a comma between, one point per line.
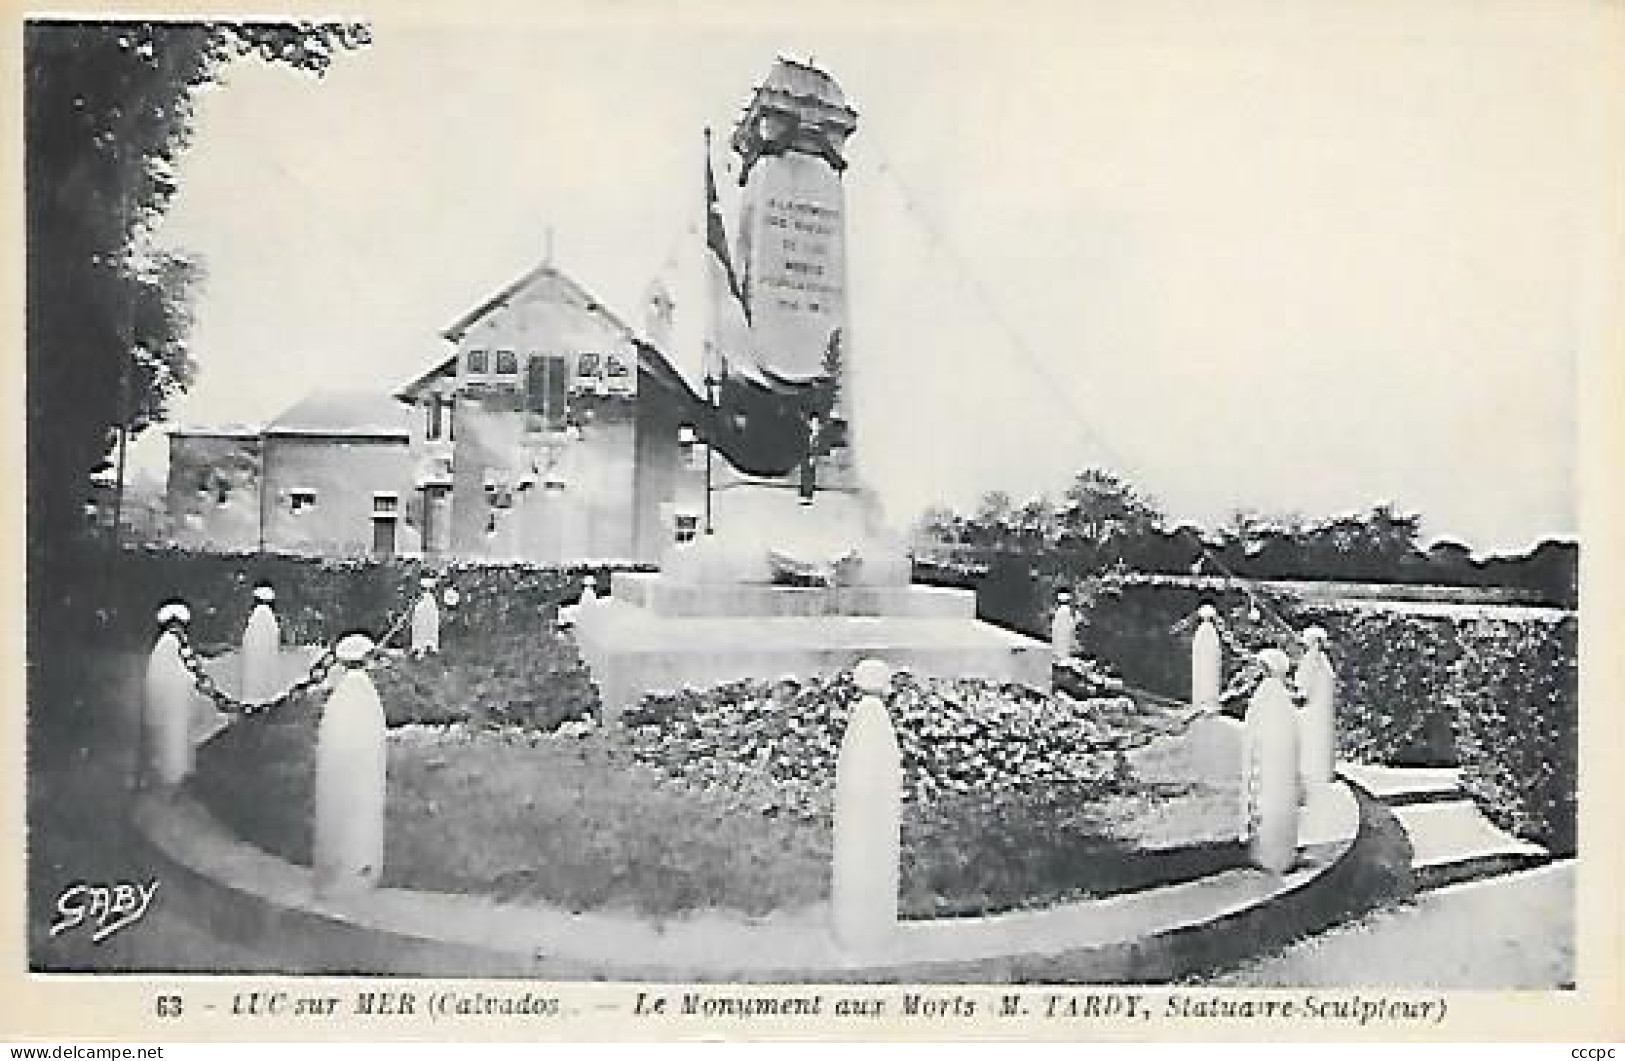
x=1152, y=935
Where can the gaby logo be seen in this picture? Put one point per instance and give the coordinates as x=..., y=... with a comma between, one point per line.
x=108, y=907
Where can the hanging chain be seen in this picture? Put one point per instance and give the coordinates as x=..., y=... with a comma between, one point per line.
x=1184, y=625
x=395, y=627
x=1231, y=641
x=317, y=674
x=225, y=703
x=1226, y=635
x=1178, y=727
x=1247, y=675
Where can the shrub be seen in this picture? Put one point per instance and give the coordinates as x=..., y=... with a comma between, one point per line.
x=1393, y=685
x=1515, y=699
x=320, y=599
x=524, y=675
x=1144, y=631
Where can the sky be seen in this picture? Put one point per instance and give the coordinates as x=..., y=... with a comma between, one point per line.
x=1281, y=257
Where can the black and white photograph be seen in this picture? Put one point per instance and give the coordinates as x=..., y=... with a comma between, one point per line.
x=968, y=520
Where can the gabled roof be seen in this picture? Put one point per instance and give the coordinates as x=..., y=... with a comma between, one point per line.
x=344, y=414
x=446, y=367
x=504, y=296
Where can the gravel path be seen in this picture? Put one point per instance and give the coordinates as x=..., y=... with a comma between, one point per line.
x=79, y=772
x=1514, y=932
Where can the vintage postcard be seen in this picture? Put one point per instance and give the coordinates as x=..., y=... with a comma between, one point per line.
x=938, y=521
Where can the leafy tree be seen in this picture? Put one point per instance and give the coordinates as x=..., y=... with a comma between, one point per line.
x=1390, y=535
x=989, y=526
x=1102, y=520
x=1033, y=525
x=942, y=525
x=108, y=110
x=1102, y=524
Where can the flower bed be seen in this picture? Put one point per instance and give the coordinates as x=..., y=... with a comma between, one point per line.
x=956, y=737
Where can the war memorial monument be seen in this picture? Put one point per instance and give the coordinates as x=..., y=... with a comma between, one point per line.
x=796, y=571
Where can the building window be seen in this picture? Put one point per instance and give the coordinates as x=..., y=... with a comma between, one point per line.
x=687, y=528
x=546, y=393
x=588, y=365
x=385, y=507
x=479, y=361
x=507, y=363
x=439, y=413
x=689, y=450
x=436, y=529
x=301, y=499
x=222, y=492
x=383, y=537
x=617, y=368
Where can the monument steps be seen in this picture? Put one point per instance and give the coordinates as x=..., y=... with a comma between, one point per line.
x=633, y=650
x=1399, y=786
x=1452, y=842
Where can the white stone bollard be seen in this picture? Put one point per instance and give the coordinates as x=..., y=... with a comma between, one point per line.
x=348, y=848
x=1063, y=630
x=426, y=621
x=1207, y=661
x=868, y=819
x=1317, y=730
x=262, y=646
x=166, y=703
x=1271, y=779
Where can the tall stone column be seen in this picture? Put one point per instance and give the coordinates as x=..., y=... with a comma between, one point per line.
x=792, y=220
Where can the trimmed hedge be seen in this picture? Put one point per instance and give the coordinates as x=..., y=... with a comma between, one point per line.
x=1394, y=685
x=318, y=599
x=1516, y=699
x=1493, y=692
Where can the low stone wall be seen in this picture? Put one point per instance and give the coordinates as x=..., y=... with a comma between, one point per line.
x=1150, y=936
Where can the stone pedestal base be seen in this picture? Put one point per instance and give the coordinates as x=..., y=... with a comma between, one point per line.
x=759, y=522
x=657, y=634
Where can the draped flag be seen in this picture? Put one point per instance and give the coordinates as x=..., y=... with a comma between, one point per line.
x=728, y=339
x=757, y=421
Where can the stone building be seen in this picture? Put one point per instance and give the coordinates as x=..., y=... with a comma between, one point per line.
x=213, y=491
x=550, y=434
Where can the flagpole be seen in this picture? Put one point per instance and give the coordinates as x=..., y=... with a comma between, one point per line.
x=710, y=383
x=711, y=400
